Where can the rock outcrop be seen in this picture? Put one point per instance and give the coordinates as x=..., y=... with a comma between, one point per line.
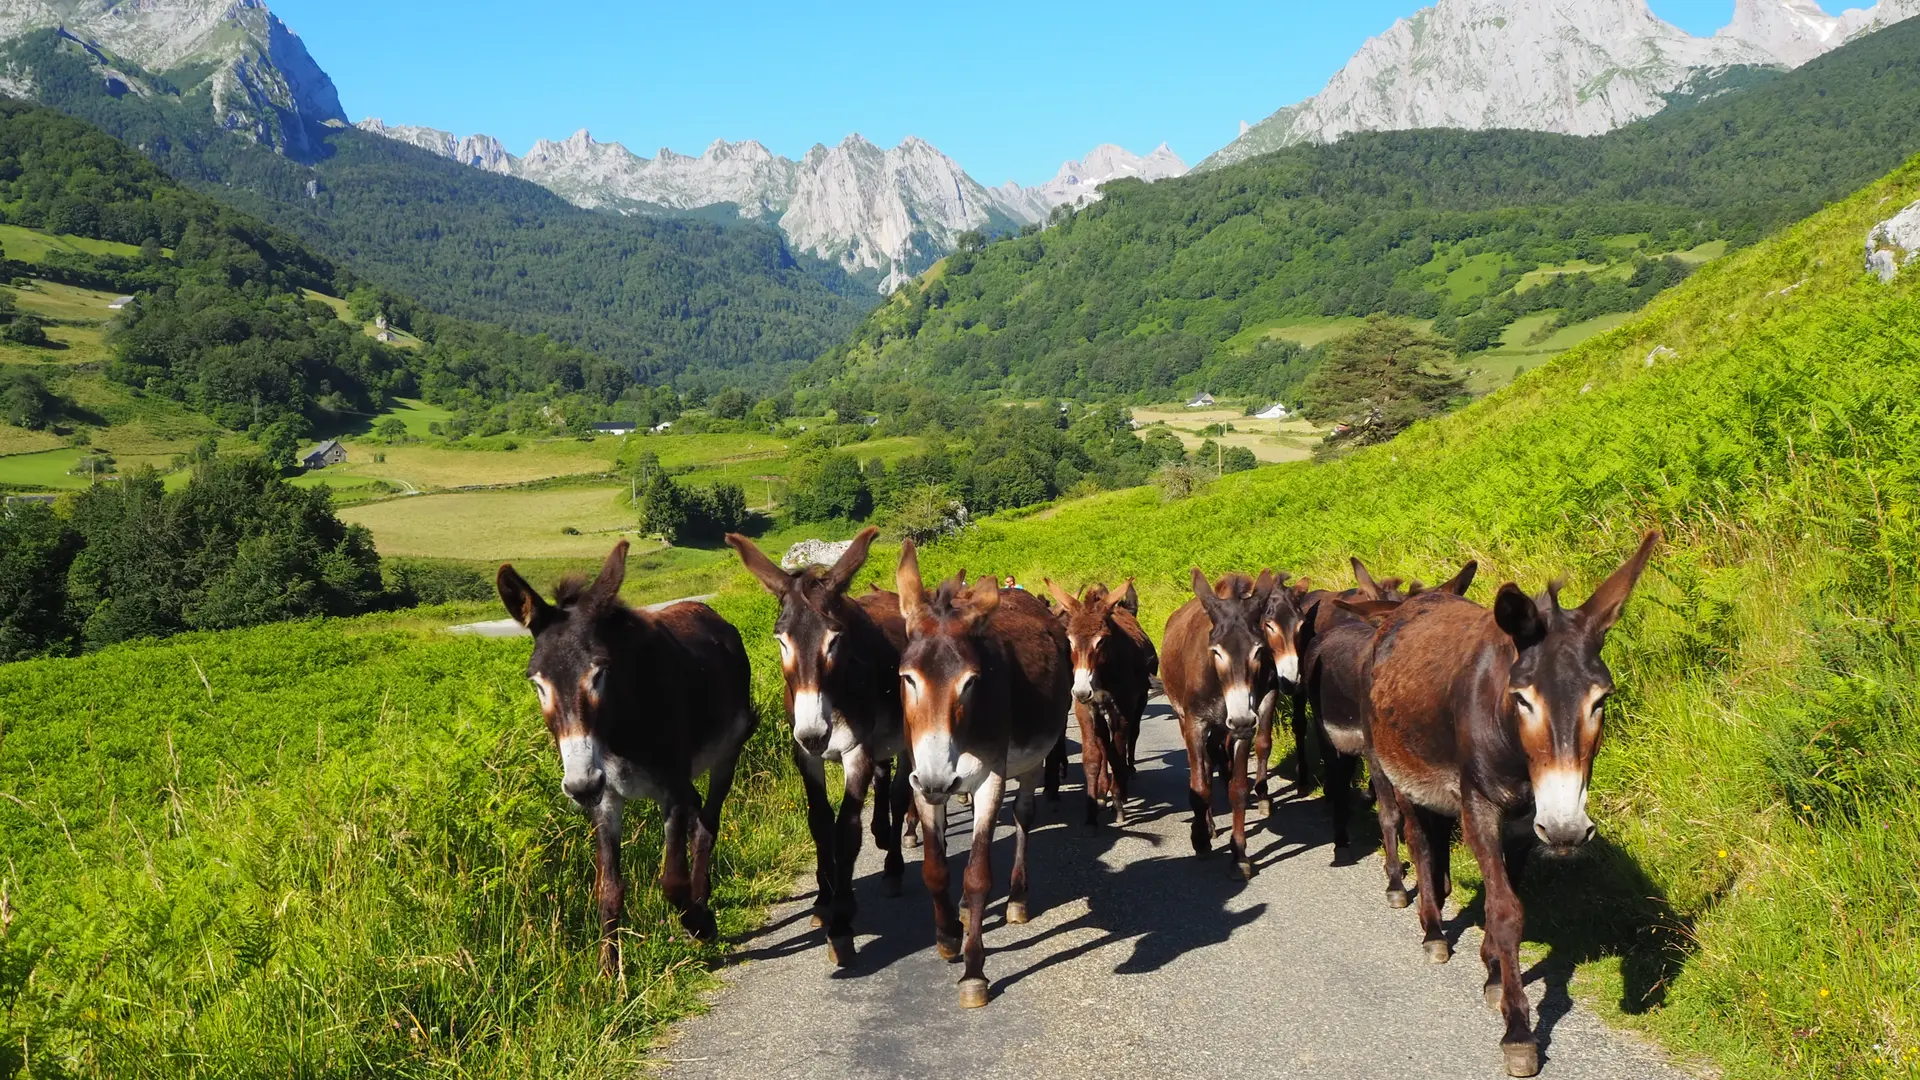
x=1581, y=67
x=1894, y=244
x=257, y=73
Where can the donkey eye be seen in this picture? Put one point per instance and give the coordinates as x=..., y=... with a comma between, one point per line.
x=539, y=689
x=966, y=683
x=1219, y=655
x=827, y=647
x=910, y=681
x=1523, y=701
x=786, y=647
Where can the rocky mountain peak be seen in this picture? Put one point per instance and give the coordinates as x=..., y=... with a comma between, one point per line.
x=1576, y=66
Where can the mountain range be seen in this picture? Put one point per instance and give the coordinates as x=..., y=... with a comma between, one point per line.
x=1580, y=67
x=892, y=211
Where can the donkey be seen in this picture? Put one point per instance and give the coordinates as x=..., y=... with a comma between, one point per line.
x=1281, y=624
x=985, y=680
x=1488, y=715
x=1113, y=660
x=841, y=660
x=1321, y=600
x=639, y=703
x=1336, y=653
x=1219, y=676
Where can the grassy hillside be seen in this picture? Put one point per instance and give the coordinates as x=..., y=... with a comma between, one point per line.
x=1159, y=286
x=332, y=849
x=1755, y=902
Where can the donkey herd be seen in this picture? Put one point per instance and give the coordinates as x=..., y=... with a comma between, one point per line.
x=1486, y=717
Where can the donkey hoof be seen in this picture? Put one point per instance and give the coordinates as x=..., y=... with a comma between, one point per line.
x=841, y=951
x=1243, y=869
x=1438, y=952
x=949, y=947
x=1523, y=1059
x=973, y=993
x=1119, y=813
x=1397, y=898
x=910, y=840
x=818, y=919
x=699, y=922
x=1016, y=912
x=964, y=799
x=890, y=885
x=1492, y=993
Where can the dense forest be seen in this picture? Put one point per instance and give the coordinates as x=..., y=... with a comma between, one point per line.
x=660, y=296
x=1166, y=286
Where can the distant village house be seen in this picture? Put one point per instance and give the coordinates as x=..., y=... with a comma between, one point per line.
x=616, y=427
x=1204, y=401
x=119, y=302
x=327, y=453
x=1276, y=411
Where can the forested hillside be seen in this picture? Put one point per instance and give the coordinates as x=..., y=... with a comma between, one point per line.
x=1176, y=284
x=659, y=296
x=219, y=321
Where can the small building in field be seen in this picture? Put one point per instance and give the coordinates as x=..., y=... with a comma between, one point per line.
x=662, y=428
x=616, y=427
x=384, y=336
x=119, y=302
x=1276, y=411
x=327, y=453
x=1202, y=401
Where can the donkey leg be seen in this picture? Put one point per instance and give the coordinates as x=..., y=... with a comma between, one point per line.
x=933, y=871
x=706, y=830
x=609, y=888
x=813, y=777
x=1199, y=786
x=676, y=883
x=976, y=885
x=1057, y=767
x=846, y=850
x=882, y=801
x=1093, y=761
x=1263, y=759
x=905, y=810
x=1500, y=946
x=1422, y=843
x=1237, y=785
x=1023, y=810
x=1118, y=748
x=1338, y=769
x=1303, y=733
x=906, y=827
x=1386, y=807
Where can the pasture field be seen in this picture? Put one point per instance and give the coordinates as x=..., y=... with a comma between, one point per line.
x=498, y=525
x=76, y=324
x=32, y=245
x=1514, y=356
x=1753, y=903
x=1272, y=441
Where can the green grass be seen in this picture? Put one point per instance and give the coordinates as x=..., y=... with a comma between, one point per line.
x=1754, y=905
x=32, y=245
x=1515, y=355
x=1474, y=276
x=335, y=849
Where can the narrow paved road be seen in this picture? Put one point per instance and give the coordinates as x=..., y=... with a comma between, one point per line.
x=1141, y=962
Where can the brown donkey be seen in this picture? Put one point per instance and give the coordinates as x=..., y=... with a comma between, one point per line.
x=1219, y=677
x=1282, y=625
x=1113, y=661
x=1336, y=658
x=639, y=704
x=985, y=679
x=1490, y=715
x=841, y=660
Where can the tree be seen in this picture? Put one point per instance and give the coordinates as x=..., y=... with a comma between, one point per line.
x=826, y=486
x=391, y=430
x=730, y=404
x=25, y=330
x=151, y=252
x=36, y=550
x=663, y=507
x=26, y=402
x=280, y=442
x=1382, y=378
x=1240, y=459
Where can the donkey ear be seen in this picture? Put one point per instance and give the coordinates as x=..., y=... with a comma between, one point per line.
x=1263, y=592
x=1204, y=590
x=1301, y=588
x=523, y=601
x=851, y=561
x=978, y=603
x=612, y=573
x=913, y=593
x=1519, y=616
x=1374, y=611
x=1062, y=596
x=1363, y=579
x=1130, y=599
x=1602, y=609
x=1460, y=582
x=775, y=579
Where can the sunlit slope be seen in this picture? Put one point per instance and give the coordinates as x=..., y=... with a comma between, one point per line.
x=1753, y=901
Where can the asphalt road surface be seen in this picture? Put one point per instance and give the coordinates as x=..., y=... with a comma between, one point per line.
x=1141, y=962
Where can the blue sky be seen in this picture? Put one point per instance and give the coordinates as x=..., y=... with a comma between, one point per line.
x=1009, y=89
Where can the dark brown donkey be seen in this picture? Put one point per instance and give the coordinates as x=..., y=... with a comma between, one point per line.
x=1219, y=677
x=1490, y=715
x=640, y=704
x=1336, y=657
x=1281, y=625
x=841, y=659
x=1113, y=660
x=986, y=680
